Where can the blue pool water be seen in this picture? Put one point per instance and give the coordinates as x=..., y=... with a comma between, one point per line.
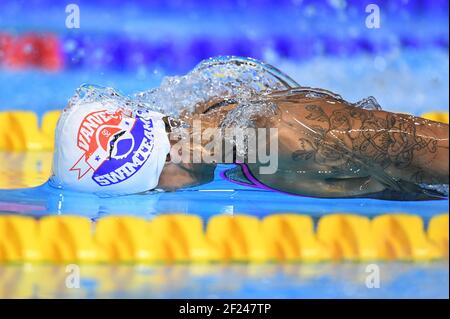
x=402, y=81
x=345, y=280
x=218, y=197
x=132, y=45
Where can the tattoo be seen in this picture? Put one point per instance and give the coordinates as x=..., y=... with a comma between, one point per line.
x=392, y=140
x=336, y=139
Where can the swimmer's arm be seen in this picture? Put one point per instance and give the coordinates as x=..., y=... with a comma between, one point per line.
x=417, y=148
x=406, y=147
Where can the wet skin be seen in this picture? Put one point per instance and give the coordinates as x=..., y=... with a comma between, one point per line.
x=328, y=147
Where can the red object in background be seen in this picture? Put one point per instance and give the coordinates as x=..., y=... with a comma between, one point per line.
x=50, y=54
x=5, y=47
x=24, y=53
x=30, y=51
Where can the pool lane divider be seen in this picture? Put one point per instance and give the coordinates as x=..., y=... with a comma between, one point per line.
x=175, y=238
x=437, y=116
x=20, y=130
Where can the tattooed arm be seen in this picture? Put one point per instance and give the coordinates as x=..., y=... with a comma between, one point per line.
x=406, y=147
x=329, y=147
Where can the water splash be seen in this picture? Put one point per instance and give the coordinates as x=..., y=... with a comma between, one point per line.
x=107, y=96
x=369, y=103
x=245, y=81
x=218, y=78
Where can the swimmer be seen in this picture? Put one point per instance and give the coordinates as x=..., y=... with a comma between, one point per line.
x=330, y=148
x=327, y=147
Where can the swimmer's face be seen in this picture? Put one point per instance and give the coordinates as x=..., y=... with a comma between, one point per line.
x=109, y=150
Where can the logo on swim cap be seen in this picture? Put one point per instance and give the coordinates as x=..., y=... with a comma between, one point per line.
x=114, y=145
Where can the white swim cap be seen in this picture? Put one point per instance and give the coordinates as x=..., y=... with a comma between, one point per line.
x=105, y=149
